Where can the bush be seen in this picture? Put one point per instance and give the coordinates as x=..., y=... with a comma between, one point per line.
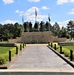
x=2, y=60
x=4, y=54
x=66, y=52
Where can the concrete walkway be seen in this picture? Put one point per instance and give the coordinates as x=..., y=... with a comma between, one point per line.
x=39, y=57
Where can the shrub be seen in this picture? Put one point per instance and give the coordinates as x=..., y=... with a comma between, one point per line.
x=66, y=52
x=13, y=51
x=2, y=60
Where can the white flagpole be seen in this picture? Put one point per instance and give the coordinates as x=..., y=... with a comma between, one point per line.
x=35, y=15
x=23, y=22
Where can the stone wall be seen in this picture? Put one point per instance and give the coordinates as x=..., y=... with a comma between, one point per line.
x=36, y=37
x=17, y=40
x=66, y=43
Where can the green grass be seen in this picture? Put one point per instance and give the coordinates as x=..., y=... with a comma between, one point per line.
x=4, y=53
x=4, y=49
x=69, y=47
x=66, y=50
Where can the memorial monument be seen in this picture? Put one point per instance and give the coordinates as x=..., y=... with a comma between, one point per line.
x=37, y=33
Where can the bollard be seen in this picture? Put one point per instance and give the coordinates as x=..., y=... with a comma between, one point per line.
x=20, y=47
x=51, y=45
x=60, y=49
x=23, y=45
x=9, y=55
x=55, y=46
x=71, y=55
x=16, y=50
x=48, y=43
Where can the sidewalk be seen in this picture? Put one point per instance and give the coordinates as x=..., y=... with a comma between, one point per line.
x=39, y=57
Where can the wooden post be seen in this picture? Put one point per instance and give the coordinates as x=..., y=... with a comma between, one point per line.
x=60, y=49
x=55, y=46
x=9, y=55
x=16, y=50
x=23, y=45
x=51, y=45
x=48, y=43
x=71, y=55
x=20, y=47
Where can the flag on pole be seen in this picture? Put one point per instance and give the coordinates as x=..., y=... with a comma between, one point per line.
x=35, y=12
x=49, y=18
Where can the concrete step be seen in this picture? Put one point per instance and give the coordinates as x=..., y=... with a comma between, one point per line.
x=37, y=72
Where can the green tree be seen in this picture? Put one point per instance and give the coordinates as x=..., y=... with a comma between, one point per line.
x=26, y=26
x=36, y=26
x=47, y=26
x=30, y=27
x=1, y=27
x=42, y=26
x=70, y=28
x=63, y=32
x=18, y=30
x=10, y=30
x=56, y=28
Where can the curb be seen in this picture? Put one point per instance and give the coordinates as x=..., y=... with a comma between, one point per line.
x=64, y=58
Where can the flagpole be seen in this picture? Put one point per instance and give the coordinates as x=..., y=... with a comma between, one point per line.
x=35, y=18
x=35, y=15
x=23, y=23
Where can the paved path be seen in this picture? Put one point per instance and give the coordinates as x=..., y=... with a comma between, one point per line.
x=39, y=57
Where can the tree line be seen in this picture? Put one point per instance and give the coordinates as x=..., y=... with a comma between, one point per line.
x=8, y=31
x=64, y=32
x=42, y=26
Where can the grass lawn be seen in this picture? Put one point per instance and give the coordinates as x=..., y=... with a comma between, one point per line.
x=4, y=49
x=69, y=47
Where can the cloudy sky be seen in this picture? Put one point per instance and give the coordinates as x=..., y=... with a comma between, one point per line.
x=60, y=11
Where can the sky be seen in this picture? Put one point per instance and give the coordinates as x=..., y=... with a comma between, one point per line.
x=60, y=11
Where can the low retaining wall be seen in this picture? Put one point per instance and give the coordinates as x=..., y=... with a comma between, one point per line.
x=56, y=39
x=8, y=45
x=17, y=40
x=66, y=43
